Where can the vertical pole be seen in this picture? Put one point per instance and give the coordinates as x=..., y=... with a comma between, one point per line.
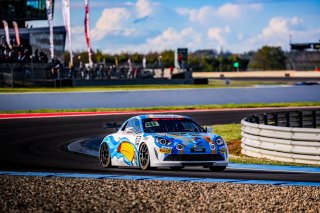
x=314, y=119
x=287, y=119
x=276, y=119
x=300, y=119
x=265, y=119
x=256, y=118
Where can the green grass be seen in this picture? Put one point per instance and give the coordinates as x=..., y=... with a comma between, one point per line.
x=193, y=107
x=212, y=84
x=231, y=133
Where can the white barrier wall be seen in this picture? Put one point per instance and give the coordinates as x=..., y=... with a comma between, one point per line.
x=288, y=144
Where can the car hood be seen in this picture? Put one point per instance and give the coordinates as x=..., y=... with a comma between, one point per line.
x=187, y=137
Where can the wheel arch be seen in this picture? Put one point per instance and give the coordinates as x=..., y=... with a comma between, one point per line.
x=151, y=149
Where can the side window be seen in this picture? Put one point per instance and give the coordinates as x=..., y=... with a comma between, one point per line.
x=187, y=126
x=195, y=128
x=191, y=127
x=129, y=124
x=135, y=124
x=124, y=126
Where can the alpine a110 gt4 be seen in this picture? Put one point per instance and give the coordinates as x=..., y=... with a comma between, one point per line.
x=174, y=141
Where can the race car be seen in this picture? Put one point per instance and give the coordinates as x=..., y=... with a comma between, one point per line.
x=161, y=140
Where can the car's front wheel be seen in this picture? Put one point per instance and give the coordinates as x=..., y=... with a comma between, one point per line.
x=105, y=158
x=144, y=157
x=217, y=168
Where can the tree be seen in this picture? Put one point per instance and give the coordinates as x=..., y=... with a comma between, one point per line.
x=268, y=58
x=137, y=58
x=97, y=56
x=168, y=58
x=123, y=57
x=152, y=58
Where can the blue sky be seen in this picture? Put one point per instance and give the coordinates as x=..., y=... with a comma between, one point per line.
x=150, y=25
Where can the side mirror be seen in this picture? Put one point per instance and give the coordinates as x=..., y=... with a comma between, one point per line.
x=209, y=129
x=130, y=130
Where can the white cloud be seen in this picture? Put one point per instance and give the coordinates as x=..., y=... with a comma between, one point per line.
x=256, y=6
x=168, y=39
x=197, y=15
x=112, y=18
x=112, y=21
x=218, y=35
x=144, y=8
x=277, y=33
x=229, y=10
x=118, y=21
x=226, y=12
x=279, y=26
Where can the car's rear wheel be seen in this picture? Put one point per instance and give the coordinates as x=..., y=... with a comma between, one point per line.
x=217, y=168
x=105, y=158
x=144, y=157
x=177, y=168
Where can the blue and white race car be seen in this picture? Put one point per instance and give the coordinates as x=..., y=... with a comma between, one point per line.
x=173, y=141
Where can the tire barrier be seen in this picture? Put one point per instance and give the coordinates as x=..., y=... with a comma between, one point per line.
x=283, y=136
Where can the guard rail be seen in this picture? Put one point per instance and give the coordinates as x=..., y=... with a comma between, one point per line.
x=292, y=136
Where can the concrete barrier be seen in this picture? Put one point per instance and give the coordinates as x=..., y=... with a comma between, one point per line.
x=288, y=144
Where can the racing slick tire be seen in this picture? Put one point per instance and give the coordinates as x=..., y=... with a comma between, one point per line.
x=104, y=155
x=144, y=157
x=217, y=168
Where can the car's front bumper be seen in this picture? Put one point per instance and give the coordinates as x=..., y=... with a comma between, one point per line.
x=159, y=159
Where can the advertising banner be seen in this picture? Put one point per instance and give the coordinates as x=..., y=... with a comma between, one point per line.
x=87, y=30
x=49, y=8
x=16, y=30
x=6, y=30
x=66, y=20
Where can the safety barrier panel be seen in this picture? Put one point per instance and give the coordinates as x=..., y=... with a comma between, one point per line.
x=287, y=143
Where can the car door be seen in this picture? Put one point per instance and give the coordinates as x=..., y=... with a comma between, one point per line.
x=127, y=151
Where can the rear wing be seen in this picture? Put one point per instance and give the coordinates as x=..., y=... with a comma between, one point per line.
x=112, y=125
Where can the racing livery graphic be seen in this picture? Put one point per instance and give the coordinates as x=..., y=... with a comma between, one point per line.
x=173, y=141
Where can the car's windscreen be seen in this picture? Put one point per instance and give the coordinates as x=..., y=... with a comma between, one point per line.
x=157, y=125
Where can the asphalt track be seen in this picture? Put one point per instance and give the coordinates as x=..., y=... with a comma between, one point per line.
x=150, y=98
x=41, y=145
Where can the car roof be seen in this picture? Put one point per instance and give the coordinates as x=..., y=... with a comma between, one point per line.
x=160, y=116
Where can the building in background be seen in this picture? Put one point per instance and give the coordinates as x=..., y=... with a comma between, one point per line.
x=22, y=11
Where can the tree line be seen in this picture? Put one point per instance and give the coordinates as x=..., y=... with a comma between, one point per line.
x=265, y=58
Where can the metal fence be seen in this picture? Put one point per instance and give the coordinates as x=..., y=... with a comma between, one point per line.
x=283, y=136
x=46, y=74
x=24, y=74
x=309, y=119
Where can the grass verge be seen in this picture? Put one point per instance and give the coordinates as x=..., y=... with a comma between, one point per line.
x=231, y=133
x=193, y=107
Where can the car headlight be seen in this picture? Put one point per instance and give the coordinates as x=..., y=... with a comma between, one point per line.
x=163, y=141
x=179, y=146
x=212, y=146
x=219, y=141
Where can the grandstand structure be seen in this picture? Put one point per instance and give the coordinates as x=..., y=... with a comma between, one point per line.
x=24, y=12
x=304, y=57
